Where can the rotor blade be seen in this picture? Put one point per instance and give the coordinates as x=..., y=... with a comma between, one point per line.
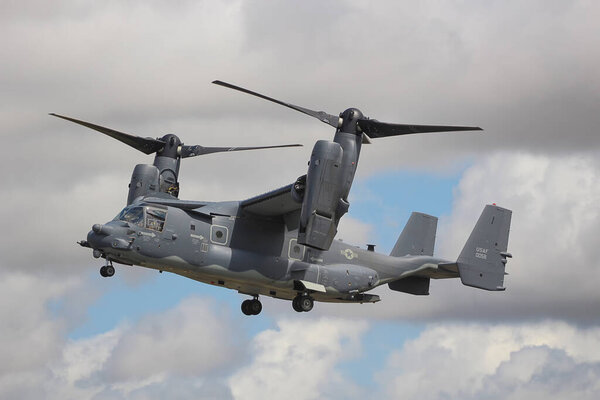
x=192, y=151
x=145, y=145
x=376, y=129
x=320, y=115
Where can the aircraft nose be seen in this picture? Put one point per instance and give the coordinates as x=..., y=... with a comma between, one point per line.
x=107, y=236
x=95, y=239
x=103, y=230
x=99, y=234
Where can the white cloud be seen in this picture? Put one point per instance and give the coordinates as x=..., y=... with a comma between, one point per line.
x=545, y=360
x=30, y=333
x=195, y=351
x=37, y=311
x=545, y=374
x=81, y=358
x=191, y=351
x=555, y=226
x=299, y=360
x=353, y=231
x=183, y=350
x=189, y=340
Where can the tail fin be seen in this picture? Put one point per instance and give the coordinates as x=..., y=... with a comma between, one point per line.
x=482, y=261
x=417, y=237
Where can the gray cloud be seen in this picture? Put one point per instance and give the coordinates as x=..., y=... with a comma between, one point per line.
x=527, y=76
x=145, y=69
x=525, y=72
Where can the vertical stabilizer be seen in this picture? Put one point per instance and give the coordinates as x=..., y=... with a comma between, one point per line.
x=417, y=237
x=482, y=261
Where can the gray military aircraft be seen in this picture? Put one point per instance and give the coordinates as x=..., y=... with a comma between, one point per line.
x=281, y=243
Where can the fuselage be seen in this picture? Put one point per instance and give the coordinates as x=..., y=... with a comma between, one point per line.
x=220, y=246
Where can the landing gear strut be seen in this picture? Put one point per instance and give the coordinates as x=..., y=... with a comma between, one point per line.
x=108, y=270
x=303, y=303
x=252, y=307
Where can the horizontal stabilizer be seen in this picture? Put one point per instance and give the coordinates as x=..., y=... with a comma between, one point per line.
x=482, y=261
x=417, y=237
x=413, y=285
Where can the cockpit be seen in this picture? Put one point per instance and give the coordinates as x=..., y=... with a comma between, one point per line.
x=145, y=217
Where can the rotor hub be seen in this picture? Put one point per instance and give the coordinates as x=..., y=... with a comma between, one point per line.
x=350, y=118
x=171, y=147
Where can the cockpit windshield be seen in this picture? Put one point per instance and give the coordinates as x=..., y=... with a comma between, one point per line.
x=144, y=217
x=134, y=215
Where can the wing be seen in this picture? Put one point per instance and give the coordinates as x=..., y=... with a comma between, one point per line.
x=183, y=204
x=273, y=204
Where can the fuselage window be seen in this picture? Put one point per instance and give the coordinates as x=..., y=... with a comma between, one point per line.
x=155, y=219
x=218, y=234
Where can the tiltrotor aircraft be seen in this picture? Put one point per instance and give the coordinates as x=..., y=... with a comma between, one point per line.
x=280, y=244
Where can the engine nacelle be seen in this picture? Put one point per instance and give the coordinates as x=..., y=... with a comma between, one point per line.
x=144, y=180
x=322, y=205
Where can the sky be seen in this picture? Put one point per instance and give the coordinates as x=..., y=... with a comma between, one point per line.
x=525, y=71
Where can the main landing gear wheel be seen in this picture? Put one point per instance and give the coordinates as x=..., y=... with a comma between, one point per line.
x=107, y=271
x=303, y=303
x=251, y=307
x=295, y=305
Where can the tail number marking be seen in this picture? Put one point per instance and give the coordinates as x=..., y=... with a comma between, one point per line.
x=481, y=253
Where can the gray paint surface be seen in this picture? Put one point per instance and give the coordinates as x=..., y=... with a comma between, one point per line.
x=281, y=243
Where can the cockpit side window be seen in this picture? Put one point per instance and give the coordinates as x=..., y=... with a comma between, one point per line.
x=155, y=218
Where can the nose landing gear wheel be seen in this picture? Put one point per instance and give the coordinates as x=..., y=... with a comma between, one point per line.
x=246, y=307
x=251, y=307
x=255, y=306
x=302, y=303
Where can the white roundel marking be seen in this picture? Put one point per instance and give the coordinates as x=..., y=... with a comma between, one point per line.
x=349, y=254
